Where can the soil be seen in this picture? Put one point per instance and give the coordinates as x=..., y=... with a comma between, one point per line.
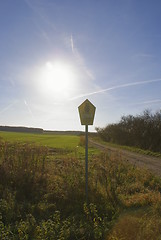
x=151, y=163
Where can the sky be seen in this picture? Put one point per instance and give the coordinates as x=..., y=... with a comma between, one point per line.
x=55, y=54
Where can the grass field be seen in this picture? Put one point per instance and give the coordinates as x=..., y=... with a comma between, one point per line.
x=70, y=145
x=42, y=195
x=49, y=140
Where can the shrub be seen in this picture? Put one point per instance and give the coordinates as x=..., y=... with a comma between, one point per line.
x=23, y=170
x=82, y=141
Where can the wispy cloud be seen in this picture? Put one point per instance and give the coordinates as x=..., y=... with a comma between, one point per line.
x=5, y=109
x=80, y=60
x=149, y=102
x=72, y=44
x=117, y=87
x=40, y=13
x=28, y=108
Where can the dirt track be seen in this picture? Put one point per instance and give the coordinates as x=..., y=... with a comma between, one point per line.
x=151, y=163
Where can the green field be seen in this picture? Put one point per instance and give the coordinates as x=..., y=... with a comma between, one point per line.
x=49, y=140
x=65, y=144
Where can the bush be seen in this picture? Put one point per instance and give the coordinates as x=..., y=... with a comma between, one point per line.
x=141, y=131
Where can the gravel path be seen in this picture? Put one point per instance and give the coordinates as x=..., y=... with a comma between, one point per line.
x=151, y=163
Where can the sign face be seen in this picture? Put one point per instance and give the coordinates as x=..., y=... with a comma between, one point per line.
x=87, y=112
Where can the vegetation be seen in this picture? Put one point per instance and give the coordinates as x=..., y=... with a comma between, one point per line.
x=129, y=148
x=37, y=130
x=42, y=196
x=21, y=129
x=71, y=145
x=49, y=140
x=141, y=131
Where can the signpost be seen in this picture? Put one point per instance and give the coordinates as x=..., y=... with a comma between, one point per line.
x=86, y=113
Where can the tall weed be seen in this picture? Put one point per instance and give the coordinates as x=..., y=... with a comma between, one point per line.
x=42, y=197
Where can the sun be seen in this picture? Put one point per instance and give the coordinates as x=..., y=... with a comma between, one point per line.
x=57, y=79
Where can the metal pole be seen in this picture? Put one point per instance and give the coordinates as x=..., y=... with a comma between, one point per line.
x=86, y=163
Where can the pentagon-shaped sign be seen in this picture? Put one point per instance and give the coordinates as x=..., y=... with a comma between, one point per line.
x=87, y=112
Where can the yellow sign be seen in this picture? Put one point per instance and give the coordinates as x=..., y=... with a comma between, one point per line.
x=87, y=112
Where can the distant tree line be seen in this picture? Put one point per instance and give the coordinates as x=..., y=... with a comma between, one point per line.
x=21, y=129
x=142, y=131
x=77, y=133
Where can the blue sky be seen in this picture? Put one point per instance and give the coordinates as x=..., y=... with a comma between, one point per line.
x=54, y=54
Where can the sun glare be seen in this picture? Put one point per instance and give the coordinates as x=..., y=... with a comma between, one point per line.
x=57, y=79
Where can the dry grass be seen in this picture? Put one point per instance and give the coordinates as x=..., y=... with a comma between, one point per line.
x=46, y=193
x=126, y=228
x=137, y=226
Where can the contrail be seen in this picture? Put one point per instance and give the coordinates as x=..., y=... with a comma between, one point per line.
x=72, y=43
x=8, y=107
x=28, y=108
x=148, y=102
x=37, y=10
x=79, y=58
x=117, y=87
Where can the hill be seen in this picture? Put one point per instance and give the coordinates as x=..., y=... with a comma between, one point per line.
x=21, y=129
